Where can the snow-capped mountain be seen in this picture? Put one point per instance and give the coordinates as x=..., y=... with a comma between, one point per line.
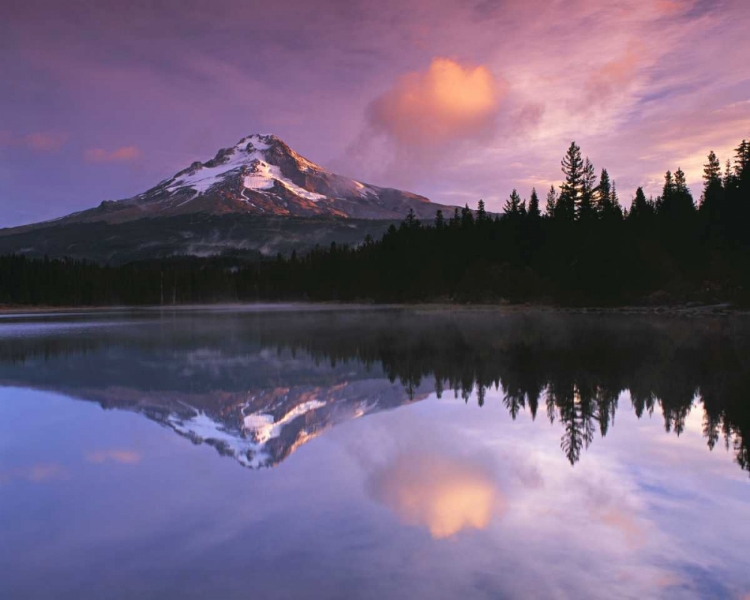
x=261, y=175
x=258, y=195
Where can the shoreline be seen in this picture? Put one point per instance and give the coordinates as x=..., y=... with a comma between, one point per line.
x=692, y=309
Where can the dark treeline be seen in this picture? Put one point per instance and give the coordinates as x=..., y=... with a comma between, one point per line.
x=66, y=282
x=585, y=248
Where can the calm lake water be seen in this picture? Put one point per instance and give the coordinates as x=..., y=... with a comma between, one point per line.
x=288, y=452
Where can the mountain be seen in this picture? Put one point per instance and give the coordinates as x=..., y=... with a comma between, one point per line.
x=256, y=195
x=261, y=175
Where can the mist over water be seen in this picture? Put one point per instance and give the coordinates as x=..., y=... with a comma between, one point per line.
x=366, y=453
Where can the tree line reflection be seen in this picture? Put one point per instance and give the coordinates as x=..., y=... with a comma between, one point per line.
x=575, y=367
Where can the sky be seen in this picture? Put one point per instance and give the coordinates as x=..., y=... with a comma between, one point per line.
x=456, y=100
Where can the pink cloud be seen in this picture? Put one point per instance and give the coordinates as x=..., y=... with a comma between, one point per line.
x=626, y=524
x=671, y=7
x=448, y=101
x=613, y=76
x=45, y=471
x=125, y=457
x=44, y=142
x=36, y=473
x=667, y=579
x=424, y=117
x=123, y=154
x=39, y=141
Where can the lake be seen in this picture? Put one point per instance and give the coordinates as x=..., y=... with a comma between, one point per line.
x=331, y=452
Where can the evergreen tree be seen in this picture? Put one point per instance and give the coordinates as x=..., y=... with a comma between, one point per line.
x=467, y=217
x=640, y=209
x=551, y=202
x=680, y=183
x=729, y=180
x=534, y=211
x=586, y=209
x=455, y=221
x=439, y=220
x=682, y=193
x=615, y=210
x=676, y=204
x=713, y=191
x=739, y=195
x=570, y=191
x=668, y=190
x=411, y=221
x=742, y=160
x=512, y=206
x=565, y=208
x=481, y=213
x=742, y=174
x=604, y=195
x=711, y=171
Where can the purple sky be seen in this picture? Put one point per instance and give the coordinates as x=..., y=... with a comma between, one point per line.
x=456, y=100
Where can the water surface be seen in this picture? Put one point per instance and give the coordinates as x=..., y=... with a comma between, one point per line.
x=281, y=452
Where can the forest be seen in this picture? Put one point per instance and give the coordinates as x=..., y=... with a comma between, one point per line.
x=584, y=248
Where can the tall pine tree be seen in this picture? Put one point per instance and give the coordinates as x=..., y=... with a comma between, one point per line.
x=585, y=209
x=551, y=202
x=713, y=191
x=512, y=206
x=570, y=191
x=604, y=193
x=534, y=211
x=640, y=209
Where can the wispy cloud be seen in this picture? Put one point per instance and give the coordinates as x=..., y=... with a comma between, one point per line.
x=125, y=457
x=36, y=473
x=39, y=141
x=123, y=154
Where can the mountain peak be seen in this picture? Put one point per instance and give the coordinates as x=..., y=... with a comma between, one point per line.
x=259, y=138
x=240, y=198
x=260, y=175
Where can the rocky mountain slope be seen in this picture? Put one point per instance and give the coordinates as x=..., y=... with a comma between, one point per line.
x=256, y=195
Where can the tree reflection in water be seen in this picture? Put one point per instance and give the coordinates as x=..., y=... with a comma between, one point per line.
x=574, y=366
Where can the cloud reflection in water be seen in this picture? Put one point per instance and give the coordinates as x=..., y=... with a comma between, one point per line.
x=444, y=494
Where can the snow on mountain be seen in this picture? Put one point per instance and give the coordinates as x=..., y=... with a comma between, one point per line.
x=263, y=176
x=246, y=158
x=242, y=199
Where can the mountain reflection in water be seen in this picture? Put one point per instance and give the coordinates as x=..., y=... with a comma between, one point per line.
x=257, y=386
